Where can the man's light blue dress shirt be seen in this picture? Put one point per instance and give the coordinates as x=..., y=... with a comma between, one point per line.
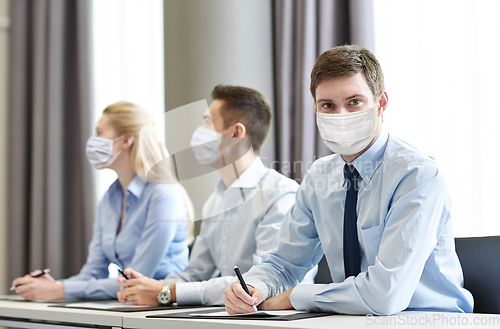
x=240, y=224
x=404, y=230
x=152, y=239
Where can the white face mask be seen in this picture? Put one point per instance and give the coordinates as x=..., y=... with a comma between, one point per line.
x=206, y=146
x=100, y=151
x=350, y=133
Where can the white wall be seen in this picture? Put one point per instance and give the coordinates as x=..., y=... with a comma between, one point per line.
x=442, y=101
x=137, y=76
x=4, y=59
x=209, y=43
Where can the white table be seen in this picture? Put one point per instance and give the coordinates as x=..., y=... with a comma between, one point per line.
x=36, y=315
x=413, y=320
x=22, y=314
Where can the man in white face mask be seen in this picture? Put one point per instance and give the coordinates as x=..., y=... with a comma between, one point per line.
x=383, y=222
x=241, y=218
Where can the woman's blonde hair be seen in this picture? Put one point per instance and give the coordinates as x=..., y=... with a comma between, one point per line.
x=149, y=158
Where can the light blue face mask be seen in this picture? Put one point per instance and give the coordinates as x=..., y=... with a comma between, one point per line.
x=100, y=152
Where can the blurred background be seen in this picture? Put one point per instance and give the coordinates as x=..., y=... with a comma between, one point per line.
x=63, y=61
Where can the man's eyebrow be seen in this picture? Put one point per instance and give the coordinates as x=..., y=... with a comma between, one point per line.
x=350, y=97
x=356, y=96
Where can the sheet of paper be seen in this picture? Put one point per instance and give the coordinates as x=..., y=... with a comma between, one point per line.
x=19, y=298
x=258, y=313
x=104, y=306
x=11, y=297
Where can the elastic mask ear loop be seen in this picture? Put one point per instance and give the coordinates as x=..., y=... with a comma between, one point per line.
x=114, y=140
x=117, y=154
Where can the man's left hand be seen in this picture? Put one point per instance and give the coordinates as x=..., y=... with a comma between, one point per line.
x=142, y=291
x=280, y=302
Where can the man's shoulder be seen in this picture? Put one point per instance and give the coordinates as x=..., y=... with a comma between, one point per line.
x=274, y=181
x=405, y=154
x=403, y=161
x=324, y=165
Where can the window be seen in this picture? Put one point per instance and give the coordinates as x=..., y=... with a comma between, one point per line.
x=441, y=74
x=128, y=62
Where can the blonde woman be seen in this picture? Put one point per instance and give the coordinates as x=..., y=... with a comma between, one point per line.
x=142, y=219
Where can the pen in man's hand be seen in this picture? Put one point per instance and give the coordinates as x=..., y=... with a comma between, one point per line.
x=243, y=284
x=45, y=271
x=121, y=272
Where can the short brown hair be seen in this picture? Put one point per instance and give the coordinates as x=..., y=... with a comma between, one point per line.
x=248, y=107
x=348, y=59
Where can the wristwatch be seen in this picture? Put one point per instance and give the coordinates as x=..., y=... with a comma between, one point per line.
x=165, y=296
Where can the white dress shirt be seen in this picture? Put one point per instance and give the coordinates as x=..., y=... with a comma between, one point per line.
x=240, y=224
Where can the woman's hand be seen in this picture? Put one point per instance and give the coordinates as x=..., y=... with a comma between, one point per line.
x=41, y=288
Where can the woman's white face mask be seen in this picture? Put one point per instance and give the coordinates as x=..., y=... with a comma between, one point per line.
x=350, y=133
x=100, y=152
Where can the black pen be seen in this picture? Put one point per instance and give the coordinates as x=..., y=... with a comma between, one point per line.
x=46, y=271
x=243, y=284
x=121, y=272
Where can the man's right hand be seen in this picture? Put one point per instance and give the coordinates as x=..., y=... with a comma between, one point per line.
x=142, y=291
x=237, y=301
x=131, y=273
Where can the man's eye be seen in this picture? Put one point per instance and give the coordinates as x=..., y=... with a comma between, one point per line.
x=327, y=105
x=355, y=102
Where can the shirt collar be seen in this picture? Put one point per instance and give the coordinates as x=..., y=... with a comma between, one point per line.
x=368, y=162
x=250, y=178
x=136, y=186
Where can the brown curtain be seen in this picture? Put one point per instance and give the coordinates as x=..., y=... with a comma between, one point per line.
x=303, y=29
x=51, y=202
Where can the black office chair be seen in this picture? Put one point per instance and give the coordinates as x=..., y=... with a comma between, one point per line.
x=323, y=276
x=480, y=259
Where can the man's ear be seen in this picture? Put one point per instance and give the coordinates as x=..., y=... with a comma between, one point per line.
x=383, y=102
x=315, y=108
x=240, y=130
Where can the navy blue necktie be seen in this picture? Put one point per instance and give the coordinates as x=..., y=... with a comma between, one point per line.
x=352, y=261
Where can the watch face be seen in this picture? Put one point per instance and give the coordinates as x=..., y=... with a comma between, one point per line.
x=164, y=299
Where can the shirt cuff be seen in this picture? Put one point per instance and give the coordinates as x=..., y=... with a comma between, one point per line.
x=188, y=293
x=172, y=280
x=73, y=289
x=262, y=287
x=303, y=296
